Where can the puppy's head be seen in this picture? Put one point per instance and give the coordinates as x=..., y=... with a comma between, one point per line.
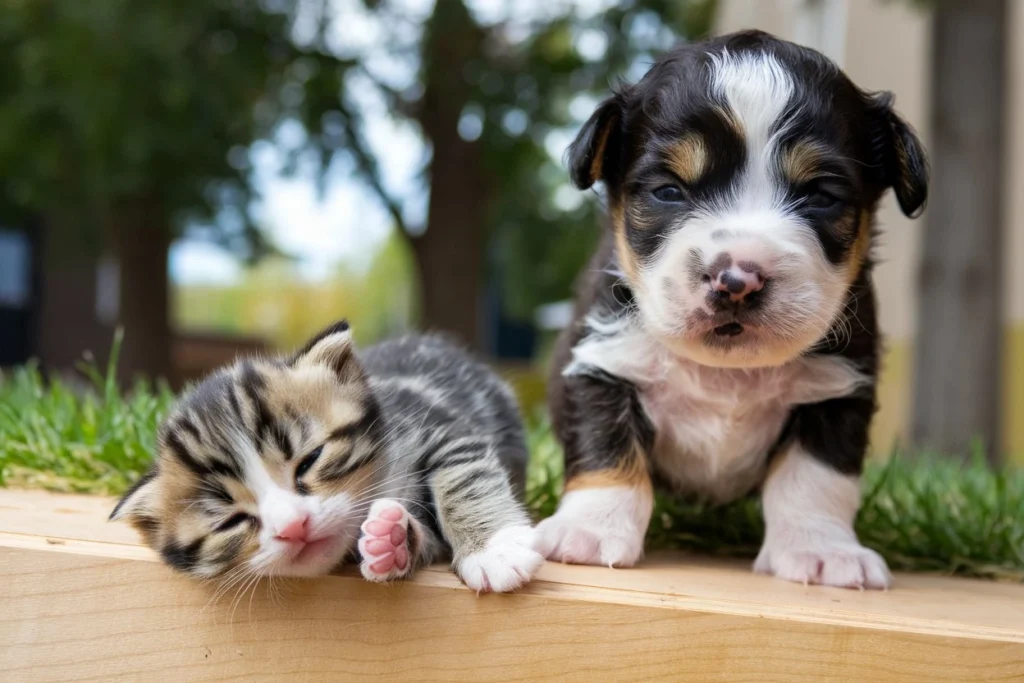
x=742, y=177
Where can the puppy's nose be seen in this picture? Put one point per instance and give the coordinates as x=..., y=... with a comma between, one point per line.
x=738, y=281
x=293, y=530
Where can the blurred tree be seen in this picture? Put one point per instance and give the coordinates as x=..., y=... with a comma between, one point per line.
x=960, y=289
x=127, y=123
x=123, y=122
x=495, y=96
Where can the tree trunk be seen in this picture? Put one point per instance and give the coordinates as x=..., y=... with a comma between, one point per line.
x=957, y=383
x=450, y=253
x=67, y=325
x=140, y=238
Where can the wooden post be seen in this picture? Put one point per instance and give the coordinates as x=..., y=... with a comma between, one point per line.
x=957, y=394
x=81, y=600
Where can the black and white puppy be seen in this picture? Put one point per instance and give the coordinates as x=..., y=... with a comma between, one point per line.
x=725, y=335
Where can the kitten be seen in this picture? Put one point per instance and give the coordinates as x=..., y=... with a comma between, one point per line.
x=276, y=466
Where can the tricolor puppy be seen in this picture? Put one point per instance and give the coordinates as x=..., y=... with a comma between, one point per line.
x=725, y=334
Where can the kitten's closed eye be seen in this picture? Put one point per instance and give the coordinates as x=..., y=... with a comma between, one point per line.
x=306, y=463
x=304, y=466
x=236, y=520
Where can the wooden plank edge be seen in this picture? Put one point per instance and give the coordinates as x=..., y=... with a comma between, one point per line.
x=78, y=616
x=440, y=577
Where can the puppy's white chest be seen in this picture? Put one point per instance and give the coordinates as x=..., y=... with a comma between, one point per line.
x=713, y=426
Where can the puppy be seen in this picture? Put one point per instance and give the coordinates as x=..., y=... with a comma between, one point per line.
x=725, y=335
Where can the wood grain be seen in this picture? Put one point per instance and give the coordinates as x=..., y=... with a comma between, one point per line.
x=78, y=603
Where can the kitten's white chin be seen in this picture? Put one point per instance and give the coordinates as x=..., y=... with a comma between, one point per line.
x=316, y=558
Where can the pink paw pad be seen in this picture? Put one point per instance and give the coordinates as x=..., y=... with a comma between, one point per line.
x=384, y=546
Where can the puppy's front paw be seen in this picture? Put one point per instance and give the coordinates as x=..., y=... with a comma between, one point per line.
x=577, y=541
x=384, y=546
x=602, y=526
x=820, y=559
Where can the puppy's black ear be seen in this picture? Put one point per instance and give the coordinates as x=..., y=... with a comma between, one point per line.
x=903, y=159
x=594, y=152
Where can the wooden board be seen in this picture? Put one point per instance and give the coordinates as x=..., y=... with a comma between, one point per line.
x=81, y=600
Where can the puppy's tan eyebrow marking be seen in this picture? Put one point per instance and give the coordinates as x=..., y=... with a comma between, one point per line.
x=688, y=158
x=802, y=161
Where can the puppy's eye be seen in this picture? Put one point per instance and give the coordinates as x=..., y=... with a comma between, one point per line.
x=308, y=462
x=669, y=193
x=822, y=196
x=234, y=520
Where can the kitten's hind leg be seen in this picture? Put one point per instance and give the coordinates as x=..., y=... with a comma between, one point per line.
x=390, y=542
x=488, y=528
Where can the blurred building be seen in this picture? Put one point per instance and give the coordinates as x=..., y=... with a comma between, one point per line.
x=58, y=305
x=19, y=272
x=886, y=45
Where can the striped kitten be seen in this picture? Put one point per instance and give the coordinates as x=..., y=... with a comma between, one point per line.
x=276, y=466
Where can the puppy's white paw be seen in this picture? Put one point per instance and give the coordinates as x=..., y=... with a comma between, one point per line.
x=601, y=526
x=507, y=562
x=815, y=558
x=575, y=541
x=384, y=545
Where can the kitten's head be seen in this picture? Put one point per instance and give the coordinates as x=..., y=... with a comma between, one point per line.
x=267, y=466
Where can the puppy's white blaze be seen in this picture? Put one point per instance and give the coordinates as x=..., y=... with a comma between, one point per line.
x=757, y=89
x=600, y=526
x=809, y=509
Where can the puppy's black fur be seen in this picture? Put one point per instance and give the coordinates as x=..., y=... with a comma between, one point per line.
x=838, y=149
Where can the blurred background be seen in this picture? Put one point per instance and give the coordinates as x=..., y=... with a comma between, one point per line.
x=225, y=176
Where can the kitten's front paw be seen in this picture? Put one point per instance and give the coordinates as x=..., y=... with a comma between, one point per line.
x=507, y=562
x=820, y=559
x=384, y=545
x=576, y=541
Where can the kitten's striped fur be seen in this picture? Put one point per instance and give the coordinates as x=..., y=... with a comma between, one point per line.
x=272, y=465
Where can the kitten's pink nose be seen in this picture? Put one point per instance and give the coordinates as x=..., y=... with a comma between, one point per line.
x=294, y=530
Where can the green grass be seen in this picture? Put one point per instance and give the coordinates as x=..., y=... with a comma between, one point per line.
x=921, y=513
x=91, y=439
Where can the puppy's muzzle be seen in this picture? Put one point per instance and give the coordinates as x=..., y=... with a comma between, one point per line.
x=733, y=284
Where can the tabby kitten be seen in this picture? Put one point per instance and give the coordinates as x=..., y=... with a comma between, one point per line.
x=276, y=466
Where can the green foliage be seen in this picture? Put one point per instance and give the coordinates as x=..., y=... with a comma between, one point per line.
x=57, y=436
x=273, y=301
x=543, y=232
x=104, y=100
x=921, y=513
x=529, y=80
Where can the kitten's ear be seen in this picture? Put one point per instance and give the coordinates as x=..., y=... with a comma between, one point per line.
x=137, y=506
x=593, y=155
x=331, y=348
x=904, y=162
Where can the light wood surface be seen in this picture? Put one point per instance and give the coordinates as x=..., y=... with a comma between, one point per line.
x=80, y=599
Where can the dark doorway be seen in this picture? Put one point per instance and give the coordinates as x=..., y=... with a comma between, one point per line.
x=18, y=293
